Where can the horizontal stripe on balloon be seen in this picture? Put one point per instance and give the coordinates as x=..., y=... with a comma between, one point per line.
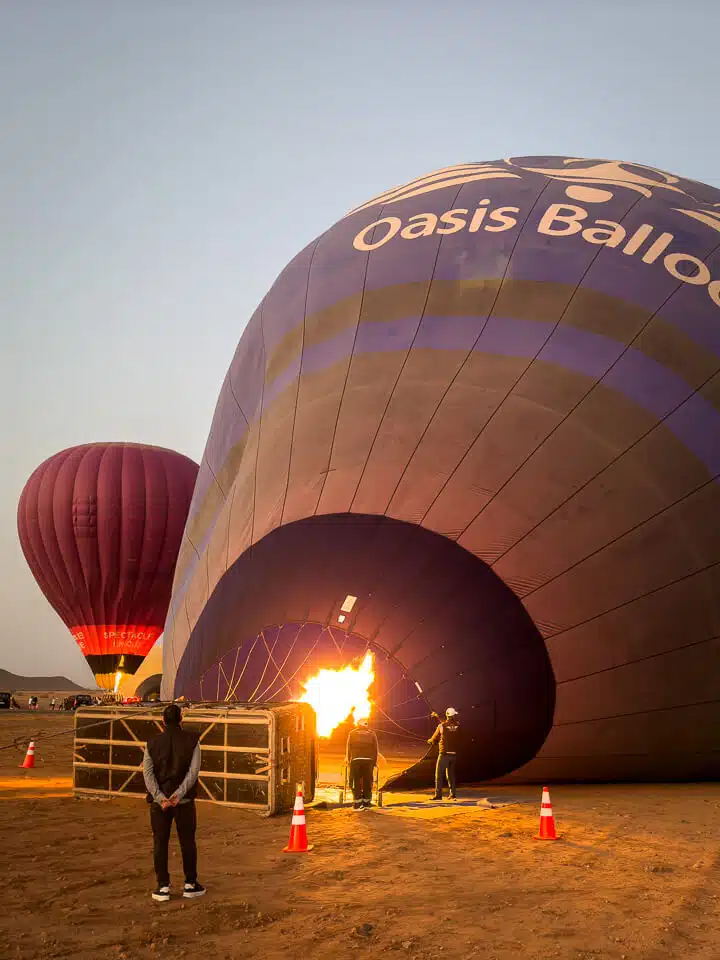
x=106, y=639
x=629, y=371
x=644, y=381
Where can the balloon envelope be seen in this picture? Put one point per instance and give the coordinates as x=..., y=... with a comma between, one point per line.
x=100, y=526
x=486, y=405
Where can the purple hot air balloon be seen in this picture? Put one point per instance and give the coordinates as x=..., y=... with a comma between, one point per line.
x=474, y=428
x=100, y=526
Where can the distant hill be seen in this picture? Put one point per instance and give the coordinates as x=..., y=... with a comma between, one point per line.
x=11, y=681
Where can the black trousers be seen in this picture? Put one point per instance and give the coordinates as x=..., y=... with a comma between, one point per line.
x=161, y=821
x=361, y=779
x=446, y=765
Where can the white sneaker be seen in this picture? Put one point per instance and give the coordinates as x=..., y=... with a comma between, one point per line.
x=162, y=894
x=192, y=890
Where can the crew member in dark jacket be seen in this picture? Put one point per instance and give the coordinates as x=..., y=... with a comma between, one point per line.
x=171, y=766
x=448, y=734
x=361, y=755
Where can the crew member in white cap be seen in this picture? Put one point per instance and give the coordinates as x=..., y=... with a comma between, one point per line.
x=448, y=735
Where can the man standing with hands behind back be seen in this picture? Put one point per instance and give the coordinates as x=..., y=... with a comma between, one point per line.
x=171, y=765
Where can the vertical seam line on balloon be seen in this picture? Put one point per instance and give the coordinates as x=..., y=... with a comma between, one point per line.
x=116, y=602
x=627, y=603
x=96, y=559
x=347, y=377
x=630, y=663
x=592, y=387
x=621, y=536
x=234, y=396
x=207, y=569
x=691, y=392
x=169, y=646
x=229, y=517
x=187, y=617
x=402, y=365
x=51, y=538
x=212, y=474
x=186, y=534
x=46, y=578
x=251, y=546
x=91, y=612
x=635, y=713
x=528, y=365
x=461, y=366
x=299, y=376
x=259, y=433
x=133, y=613
x=606, y=467
x=166, y=524
x=85, y=603
x=110, y=609
x=55, y=541
x=128, y=615
x=626, y=532
x=233, y=485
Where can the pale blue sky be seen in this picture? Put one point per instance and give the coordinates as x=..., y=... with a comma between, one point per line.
x=162, y=160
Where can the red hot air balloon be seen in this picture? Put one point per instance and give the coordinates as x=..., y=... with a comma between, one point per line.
x=100, y=526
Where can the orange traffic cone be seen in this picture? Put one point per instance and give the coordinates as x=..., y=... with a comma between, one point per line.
x=547, y=821
x=298, y=842
x=29, y=761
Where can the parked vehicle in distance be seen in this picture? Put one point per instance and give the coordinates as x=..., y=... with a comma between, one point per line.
x=79, y=700
x=5, y=699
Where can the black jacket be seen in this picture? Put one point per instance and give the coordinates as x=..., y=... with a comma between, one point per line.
x=362, y=745
x=171, y=753
x=448, y=733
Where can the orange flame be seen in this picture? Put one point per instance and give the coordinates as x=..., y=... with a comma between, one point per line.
x=337, y=694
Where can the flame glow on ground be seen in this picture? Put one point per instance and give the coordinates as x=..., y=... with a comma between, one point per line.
x=335, y=694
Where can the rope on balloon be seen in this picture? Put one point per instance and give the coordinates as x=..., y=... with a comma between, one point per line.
x=404, y=733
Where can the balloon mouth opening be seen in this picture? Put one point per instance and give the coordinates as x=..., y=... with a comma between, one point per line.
x=110, y=669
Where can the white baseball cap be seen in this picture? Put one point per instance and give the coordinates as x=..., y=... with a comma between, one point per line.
x=451, y=712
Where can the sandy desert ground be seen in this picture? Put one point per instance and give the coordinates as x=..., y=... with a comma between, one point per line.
x=635, y=875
